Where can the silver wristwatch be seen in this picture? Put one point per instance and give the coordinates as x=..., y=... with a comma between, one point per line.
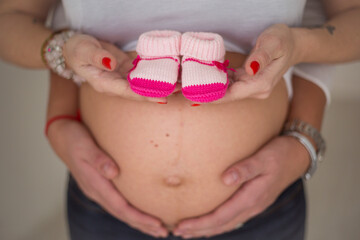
x=305, y=131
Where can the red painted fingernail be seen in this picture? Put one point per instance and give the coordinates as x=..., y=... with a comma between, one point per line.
x=195, y=105
x=162, y=102
x=106, y=62
x=255, y=66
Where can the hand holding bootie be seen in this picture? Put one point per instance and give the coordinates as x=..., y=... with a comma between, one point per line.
x=204, y=73
x=156, y=68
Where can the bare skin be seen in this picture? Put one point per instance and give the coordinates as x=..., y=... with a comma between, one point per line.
x=26, y=33
x=174, y=154
x=76, y=148
x=27, y=18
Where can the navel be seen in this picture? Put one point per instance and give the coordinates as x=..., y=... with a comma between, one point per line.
x=173, y=181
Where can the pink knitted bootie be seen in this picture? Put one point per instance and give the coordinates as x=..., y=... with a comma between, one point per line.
x=204, y=73
x=156, y=68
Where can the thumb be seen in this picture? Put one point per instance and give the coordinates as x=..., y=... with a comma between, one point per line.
x=102, y=163
x=266, y=50
x=92, y=53
x=243, y=171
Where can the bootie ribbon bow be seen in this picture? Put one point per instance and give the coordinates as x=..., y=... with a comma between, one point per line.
x=223, y=66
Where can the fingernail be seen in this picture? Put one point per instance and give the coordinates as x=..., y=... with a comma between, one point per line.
x=106, y=62
x=163, y=234
x=156, y=224
x=108, y=170
x=195, y=105
x=184, y=229
x=162, y=102
x=155, y=234
x=105, y=168
x=230, y=178
x=177, y=233
x=255, y=66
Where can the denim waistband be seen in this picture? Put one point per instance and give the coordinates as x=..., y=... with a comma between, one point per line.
x=290, y=203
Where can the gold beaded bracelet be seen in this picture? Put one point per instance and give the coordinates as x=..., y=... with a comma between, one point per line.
x=52, y=55
x=46, y=42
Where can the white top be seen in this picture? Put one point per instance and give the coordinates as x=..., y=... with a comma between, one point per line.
x=238, y=22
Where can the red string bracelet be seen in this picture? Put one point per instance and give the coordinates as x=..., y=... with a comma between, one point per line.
x=53, y=119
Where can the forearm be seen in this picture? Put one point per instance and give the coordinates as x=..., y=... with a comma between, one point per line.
x=63, y=100
x=63, y=97
x=308, y=105
x=23, y=36
x=308, y=102
x=338, y=40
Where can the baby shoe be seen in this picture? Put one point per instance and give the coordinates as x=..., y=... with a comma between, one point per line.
x=156, y=68
x=204, y=75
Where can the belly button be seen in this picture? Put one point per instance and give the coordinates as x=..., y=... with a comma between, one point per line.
x=173, y=181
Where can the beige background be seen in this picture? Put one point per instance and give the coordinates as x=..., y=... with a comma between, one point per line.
x=32, y=178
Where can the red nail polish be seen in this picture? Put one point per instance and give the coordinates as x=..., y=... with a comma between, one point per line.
x=255, y=66
x=106, y=62
x=162, y=102
x=195, y=105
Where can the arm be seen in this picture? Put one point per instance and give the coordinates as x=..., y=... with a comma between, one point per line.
x=76, y=148
x=100, y=63
x=337, y=41
x=320, y=74
x=270, y=170
x=23, y=22
x=59, y=104
x=280, y=47
x=308, y=102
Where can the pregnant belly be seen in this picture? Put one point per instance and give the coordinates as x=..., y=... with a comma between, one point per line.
x=172, y=156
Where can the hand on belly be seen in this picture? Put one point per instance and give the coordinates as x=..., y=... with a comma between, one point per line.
x=172, y=156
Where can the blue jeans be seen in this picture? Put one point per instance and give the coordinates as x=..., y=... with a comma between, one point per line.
x=283, y=220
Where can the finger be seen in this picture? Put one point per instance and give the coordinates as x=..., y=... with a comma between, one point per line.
x=231, y=76
x=245, y=199
x=267, y=49
x=230, y=226
x=108, y=197
x=220, y=216
x=112, y=83
x=232, y=92
x=91, y=52
x=124, y=63
x=259, y=86
x=233, y=225
x=120, y=87
x=243, y=171
x=99, y=160
x=151, y=229
x=243, y=86
x=240, y=90
x=115, y=203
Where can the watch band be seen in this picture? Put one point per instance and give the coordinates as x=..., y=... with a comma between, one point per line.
x=311, y=150
x=310, y=131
